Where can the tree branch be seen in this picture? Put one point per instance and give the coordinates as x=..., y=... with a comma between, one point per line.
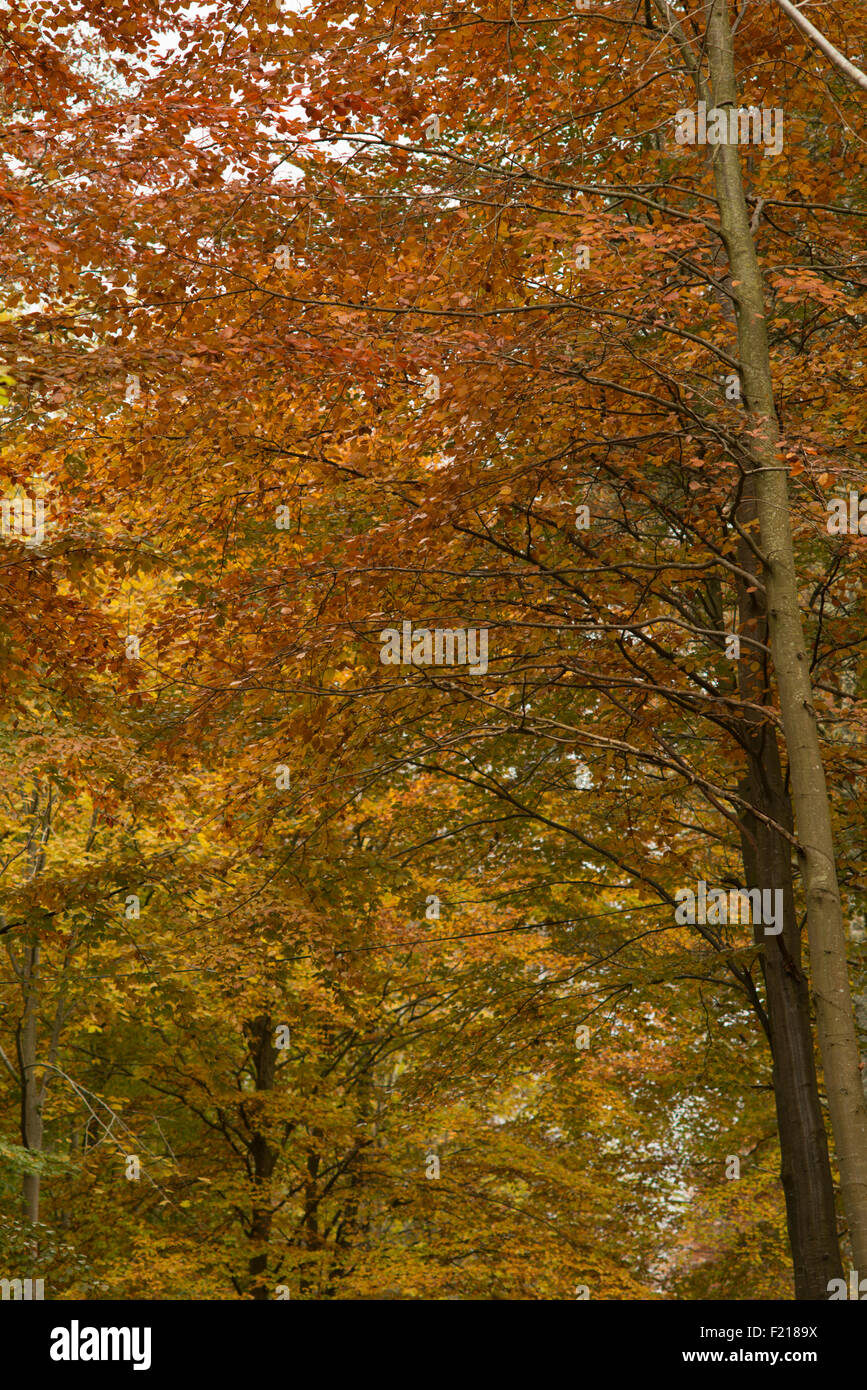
x=824, y=44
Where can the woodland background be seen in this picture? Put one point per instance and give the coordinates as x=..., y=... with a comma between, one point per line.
x=236, y=253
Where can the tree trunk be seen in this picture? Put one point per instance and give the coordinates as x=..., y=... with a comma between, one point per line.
x=31, y=1092
x=27, y=1035
x=805, y=1169
x=262, y=1154
x=834, y=1013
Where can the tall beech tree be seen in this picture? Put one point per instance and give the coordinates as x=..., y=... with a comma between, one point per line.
x=834, y=1013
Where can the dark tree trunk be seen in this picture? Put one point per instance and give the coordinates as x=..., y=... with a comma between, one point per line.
x=805, y=1168
x=262, y=1154
x=767, y=857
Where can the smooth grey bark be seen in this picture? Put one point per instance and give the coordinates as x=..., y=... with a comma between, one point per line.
x=830, y=979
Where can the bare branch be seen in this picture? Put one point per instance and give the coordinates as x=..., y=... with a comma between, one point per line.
x=824, y=44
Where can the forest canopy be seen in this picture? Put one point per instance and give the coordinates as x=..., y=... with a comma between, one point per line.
x=432, y=618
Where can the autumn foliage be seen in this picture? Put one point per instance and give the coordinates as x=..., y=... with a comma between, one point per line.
x=330, y=978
